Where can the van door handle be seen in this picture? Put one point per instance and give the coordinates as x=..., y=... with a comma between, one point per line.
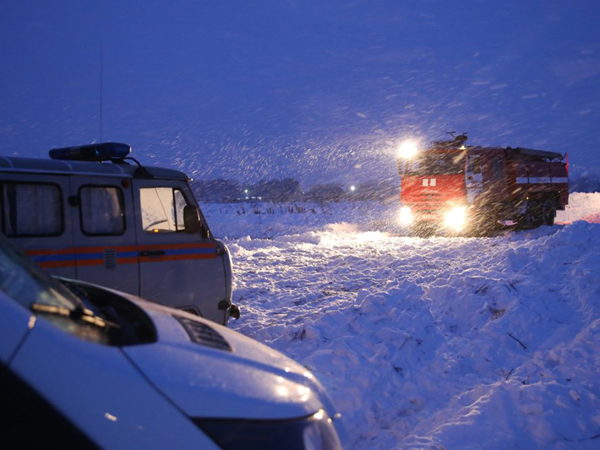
x=152, y=253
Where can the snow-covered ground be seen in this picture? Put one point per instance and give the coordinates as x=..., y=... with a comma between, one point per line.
x=448, y=343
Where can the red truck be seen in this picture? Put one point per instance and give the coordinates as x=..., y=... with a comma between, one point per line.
x=477, y=190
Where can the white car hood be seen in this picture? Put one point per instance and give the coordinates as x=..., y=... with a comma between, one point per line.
x=251, y=381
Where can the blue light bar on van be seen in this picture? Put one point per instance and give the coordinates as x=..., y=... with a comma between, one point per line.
x=94, y=152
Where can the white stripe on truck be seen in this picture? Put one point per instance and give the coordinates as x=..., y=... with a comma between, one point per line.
x=542, y=180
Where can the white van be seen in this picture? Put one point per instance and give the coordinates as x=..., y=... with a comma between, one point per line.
x=88, y=214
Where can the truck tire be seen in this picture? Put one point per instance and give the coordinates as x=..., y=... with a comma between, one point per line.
x=548, y=212
x=532, y=218
x=485, y=224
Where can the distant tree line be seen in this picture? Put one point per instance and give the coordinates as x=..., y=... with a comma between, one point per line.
x=288, y=189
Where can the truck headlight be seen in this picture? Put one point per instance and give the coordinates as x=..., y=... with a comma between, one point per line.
x=406, y=216
x=456, y=218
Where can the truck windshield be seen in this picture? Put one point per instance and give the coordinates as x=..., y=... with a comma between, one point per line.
x=437, y=164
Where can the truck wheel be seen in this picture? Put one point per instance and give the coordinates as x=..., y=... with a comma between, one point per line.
x=548, y=212
x=486, y=223
x=482, y=226
x=532, y=217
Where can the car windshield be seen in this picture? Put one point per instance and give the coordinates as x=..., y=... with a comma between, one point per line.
x=26, y=283
x=437, y=164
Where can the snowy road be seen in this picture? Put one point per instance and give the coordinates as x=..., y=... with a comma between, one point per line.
x=431, y=343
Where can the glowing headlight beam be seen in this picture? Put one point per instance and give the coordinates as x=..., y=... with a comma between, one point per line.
x=456, y=218
x=407, y=150
x=406, y=216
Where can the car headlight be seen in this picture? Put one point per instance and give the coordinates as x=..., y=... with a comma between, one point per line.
x=456, y=218
x=406, y=216
x=315, y=432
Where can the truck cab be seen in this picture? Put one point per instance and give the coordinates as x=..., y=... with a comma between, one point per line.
x=94, y=214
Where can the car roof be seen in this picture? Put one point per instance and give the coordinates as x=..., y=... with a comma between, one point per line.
x=61, y=167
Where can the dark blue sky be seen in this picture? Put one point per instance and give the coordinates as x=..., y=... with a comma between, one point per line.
x=321, y=90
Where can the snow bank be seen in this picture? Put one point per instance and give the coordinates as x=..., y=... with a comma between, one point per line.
x=266, y=220
x=582, y=206
x=433, y=343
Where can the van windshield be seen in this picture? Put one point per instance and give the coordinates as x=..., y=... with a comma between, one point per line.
x=437, y=164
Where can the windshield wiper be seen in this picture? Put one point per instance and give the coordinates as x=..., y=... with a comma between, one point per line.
x=78, y=313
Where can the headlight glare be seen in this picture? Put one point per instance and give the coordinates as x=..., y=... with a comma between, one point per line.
x=406, y=216
x=456, y=218
x=407, y=150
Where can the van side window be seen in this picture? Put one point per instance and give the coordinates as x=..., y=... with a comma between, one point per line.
x=162, y=209
x=101, y=210
x=32, y=209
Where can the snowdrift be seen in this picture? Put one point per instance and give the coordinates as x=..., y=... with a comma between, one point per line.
x=430, y=343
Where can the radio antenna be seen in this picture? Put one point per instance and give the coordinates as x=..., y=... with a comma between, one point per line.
x=101, y=88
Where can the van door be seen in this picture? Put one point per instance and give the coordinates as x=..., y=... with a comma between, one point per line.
x=104, y=232
x=178, y=268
